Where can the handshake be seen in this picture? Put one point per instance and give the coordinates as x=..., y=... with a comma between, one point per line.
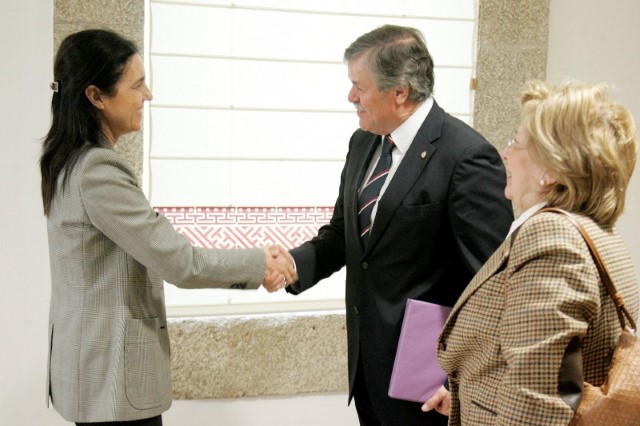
x=280, y=270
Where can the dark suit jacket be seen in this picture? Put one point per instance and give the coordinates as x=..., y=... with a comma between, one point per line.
x=440, y=218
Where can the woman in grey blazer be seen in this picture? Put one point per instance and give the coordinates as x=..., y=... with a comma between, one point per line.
x=110, y=251
x=537, y=309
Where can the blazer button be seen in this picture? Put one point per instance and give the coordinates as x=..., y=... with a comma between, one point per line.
x=356, y=310
x=365, y=265
x=238, y=286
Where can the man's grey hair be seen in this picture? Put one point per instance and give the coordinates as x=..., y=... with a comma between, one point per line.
x=397, y=56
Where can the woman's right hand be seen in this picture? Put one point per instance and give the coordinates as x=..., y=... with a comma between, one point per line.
x=280, y=269
x=440, y=401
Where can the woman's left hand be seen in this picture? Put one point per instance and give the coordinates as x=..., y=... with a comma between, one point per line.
x=441, y=402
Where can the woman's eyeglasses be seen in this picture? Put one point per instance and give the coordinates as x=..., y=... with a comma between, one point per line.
x=513, y=143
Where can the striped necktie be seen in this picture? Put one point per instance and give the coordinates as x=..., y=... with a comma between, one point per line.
x=371, y=190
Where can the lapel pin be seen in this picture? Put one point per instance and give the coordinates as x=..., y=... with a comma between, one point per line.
x=423, y=154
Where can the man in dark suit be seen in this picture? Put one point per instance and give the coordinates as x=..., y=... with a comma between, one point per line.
x=439, y=215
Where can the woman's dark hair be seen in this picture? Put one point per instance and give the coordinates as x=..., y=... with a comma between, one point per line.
x=90, y=57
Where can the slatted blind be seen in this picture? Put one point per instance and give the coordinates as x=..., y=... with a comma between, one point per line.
x=249, y=124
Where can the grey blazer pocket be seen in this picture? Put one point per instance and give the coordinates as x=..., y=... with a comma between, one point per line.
x=147, y=379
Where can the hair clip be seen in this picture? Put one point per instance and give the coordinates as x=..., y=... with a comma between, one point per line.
x=54, y=86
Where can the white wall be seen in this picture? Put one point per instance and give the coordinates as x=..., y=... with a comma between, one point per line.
x=599, y=41
x=593, y=40
x=25, y=73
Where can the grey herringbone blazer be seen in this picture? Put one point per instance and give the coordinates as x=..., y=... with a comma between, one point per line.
x=505, y=339
x=109, y=253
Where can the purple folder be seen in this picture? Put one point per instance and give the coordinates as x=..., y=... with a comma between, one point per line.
x=416, y=373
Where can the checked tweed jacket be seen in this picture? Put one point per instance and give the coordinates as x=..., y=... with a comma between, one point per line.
x=109, y=253
x=506, y=336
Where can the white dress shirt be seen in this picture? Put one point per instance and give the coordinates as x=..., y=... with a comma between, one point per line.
x=402, y=137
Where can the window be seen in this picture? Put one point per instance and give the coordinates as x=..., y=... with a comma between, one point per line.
x=249, y=125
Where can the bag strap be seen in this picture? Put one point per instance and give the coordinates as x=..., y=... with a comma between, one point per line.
x=602, y=270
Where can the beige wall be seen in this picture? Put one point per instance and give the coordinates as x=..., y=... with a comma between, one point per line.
x=599, y=41
x=512, y=48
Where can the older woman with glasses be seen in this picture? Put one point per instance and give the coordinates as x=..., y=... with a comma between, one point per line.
x=508, y=344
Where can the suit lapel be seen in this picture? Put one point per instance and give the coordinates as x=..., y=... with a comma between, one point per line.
x=409, y=170
x=369, y=147
x=488, y=270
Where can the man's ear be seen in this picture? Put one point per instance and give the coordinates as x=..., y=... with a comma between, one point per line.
x=95, y=96
x=402, y=94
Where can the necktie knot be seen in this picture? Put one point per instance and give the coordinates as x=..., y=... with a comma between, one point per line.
x=388, y=145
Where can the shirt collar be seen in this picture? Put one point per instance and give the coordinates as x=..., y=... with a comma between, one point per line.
x=406, y=133
x=526, y=215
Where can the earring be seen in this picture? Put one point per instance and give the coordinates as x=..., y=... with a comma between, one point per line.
x=543, y=182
